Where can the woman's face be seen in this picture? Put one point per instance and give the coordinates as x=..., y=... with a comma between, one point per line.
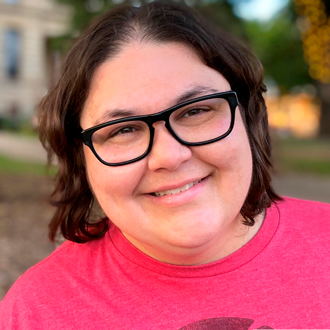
x=201, y=224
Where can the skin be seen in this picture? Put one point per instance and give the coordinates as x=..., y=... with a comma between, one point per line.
x=202, y=224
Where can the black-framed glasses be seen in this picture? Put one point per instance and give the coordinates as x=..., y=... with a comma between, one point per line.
x=196, y=122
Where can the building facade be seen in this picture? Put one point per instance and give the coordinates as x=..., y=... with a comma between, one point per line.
x=28, y=66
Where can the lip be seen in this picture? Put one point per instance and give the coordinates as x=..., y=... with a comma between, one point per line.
x=177, y=185
x=182, y=197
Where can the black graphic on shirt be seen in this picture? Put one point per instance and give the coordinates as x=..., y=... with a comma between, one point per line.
x=222, y=323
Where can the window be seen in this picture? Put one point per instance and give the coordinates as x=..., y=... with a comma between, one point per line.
x=12, y=53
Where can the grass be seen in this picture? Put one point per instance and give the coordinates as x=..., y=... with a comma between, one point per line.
x=13, y=166
x=21, y=127
x=23, y=130
x=303, y=156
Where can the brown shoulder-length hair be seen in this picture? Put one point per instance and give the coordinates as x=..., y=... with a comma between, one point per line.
x=162, y=22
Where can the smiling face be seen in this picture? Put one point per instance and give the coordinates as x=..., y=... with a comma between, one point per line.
x=179, y=204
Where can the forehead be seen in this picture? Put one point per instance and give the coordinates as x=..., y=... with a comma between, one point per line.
x=146, y=78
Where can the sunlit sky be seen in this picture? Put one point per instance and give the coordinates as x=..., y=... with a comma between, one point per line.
x=259, y=9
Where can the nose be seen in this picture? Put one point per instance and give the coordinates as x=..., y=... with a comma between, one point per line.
x=167, y=152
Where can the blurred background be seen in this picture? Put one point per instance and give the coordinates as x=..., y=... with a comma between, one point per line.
x=291, y=38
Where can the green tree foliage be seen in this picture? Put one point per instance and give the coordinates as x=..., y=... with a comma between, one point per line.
x=222, y=14
x=84, y=11
x=278, y=45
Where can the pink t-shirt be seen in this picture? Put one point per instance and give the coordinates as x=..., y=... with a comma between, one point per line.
x=278, y=280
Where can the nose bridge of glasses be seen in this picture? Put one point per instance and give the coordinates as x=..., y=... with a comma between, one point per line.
x=164, y=118
x=161, y=116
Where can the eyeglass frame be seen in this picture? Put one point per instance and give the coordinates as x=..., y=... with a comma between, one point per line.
x=164, y=115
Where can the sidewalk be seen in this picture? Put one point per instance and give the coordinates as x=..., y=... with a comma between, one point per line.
x=22, y=148
x=303, y=186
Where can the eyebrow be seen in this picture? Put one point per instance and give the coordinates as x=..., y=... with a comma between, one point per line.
x=196, y=91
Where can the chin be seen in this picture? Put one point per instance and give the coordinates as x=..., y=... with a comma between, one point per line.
x=193, y=238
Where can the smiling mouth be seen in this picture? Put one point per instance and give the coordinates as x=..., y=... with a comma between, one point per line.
x=177, y=190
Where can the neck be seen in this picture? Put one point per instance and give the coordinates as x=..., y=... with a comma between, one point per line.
x=230, y=242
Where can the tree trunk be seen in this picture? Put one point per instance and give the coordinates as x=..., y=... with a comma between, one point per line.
x=324, y=93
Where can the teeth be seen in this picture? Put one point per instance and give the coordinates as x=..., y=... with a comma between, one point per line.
x=175, y=191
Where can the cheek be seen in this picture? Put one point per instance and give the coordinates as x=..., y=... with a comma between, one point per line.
x=241, y=160
x=240, y=144
x=111, y=184
x=233, y=153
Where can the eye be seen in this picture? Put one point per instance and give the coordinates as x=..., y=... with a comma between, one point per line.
x=123, y=130
x=121, y=133
x=194, y=112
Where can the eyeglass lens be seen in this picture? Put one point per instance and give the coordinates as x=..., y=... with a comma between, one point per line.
x=197, y=122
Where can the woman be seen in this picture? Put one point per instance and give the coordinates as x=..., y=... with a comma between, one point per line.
x=161, y=119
